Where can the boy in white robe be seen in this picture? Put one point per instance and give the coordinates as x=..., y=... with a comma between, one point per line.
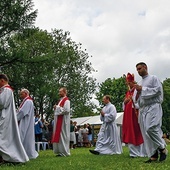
x=11, y=148
x=25, y=118
x=149, y=97
x=108, y=141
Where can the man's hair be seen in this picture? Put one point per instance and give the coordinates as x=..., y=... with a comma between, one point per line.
x=141, y=63
x=64, y=89
x=108, y=97
x=25, y=91
x=4, y=76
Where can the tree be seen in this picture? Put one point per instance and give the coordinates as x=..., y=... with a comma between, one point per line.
x=50, y=61
x=116, y=88
x=74, y=72
x=15, y=16
x=166, y=106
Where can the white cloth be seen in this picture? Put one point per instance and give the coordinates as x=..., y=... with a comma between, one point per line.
x=63, y=146
x=25, y=117
x=137, y=151
x=11, y=148
x=150, y=114
x=108, y=141
x=80, y=136
x=73, y=137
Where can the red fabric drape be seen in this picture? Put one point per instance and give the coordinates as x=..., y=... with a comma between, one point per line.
x=56, y=134
x=131, y=132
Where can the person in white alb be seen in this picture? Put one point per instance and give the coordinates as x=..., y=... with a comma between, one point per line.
x=11, y=148
x=61, y=132
x=25, y=117
x=108, y=141
x=149, y=98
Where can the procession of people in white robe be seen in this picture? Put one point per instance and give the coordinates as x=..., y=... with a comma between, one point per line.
x=17, y=141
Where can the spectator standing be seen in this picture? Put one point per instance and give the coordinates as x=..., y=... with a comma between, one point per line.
x=76, y=132
x=72, y=135
x=89, y=134
x=38, y=128
x=85, y=135
x=80, y=136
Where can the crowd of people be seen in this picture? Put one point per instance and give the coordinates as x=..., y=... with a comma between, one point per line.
x=141, y=128
x=80, y=136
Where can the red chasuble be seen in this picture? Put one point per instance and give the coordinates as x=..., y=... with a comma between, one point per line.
x=131, y=132
x=56, y=134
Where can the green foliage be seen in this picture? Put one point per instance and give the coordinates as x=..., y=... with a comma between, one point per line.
x=47, y=61
x=74, y=72
x=116, y=88
x=166, y=106
x=15, y=16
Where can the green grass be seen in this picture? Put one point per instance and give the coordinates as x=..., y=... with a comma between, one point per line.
x=82, y=159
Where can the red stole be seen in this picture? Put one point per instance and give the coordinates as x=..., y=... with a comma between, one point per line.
x=56, y=134
x=131, y=132
x=27, y=98
x=8, y=86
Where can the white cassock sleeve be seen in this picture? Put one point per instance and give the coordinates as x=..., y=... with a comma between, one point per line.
x=63, y=110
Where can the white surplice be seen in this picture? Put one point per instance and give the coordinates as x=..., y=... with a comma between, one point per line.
x=150, y=114
x=62, y=147
x=108, y=141
x=11, y=148
x=25, y=117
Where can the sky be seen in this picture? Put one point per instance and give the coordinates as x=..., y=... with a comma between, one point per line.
x=116, y=33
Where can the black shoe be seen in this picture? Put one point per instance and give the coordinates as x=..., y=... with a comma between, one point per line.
x=94, y=152
x=163, y=155
x=155, y=155
x=12, y=163
x=150, y=161
x=133, y=156
x=1, y=160
x=59, y=155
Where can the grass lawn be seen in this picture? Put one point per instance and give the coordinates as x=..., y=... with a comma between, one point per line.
x=82, y=159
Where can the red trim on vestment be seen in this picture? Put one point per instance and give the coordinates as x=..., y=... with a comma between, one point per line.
x=8, y=86
x=56, y=134
x=27, y=98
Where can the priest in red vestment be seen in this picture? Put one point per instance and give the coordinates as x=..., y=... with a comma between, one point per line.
x=131, y=132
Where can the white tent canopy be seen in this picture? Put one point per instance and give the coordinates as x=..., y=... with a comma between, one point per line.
x=95, y=120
